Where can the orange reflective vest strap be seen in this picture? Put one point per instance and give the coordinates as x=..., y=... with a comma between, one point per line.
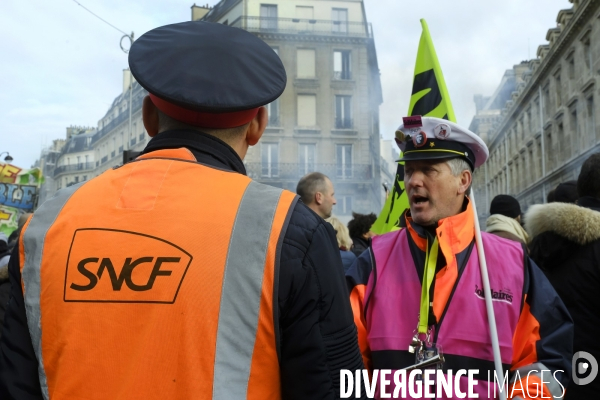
x=32, y=242
x=216, y=338
x=241, y=295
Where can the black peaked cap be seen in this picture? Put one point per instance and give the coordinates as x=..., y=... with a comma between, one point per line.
x=207, y=67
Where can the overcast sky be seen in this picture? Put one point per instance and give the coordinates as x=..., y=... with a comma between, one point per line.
x=61, y=66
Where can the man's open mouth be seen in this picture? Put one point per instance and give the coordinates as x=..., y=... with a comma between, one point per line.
x=417, y=199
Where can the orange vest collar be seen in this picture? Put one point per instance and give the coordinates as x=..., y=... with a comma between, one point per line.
x=456, y=231
x=459, y=229
x=181, y=153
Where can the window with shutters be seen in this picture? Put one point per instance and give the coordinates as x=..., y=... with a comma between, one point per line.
x=305, y=62
x=558, y=88
x=590, y=118
x=305, y=12
x=587, y=53
x=268, y=17
x=574, y=135
x=307, y=110
x=339, y=17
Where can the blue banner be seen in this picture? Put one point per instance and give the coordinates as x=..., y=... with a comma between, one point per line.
x=18, y=196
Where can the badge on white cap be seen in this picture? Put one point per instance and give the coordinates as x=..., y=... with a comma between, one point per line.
x=412, y=122
x=442, y=131
x=419, y=139
x=400, y=136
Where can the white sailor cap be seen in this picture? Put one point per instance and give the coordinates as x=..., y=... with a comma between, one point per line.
x=426, y=138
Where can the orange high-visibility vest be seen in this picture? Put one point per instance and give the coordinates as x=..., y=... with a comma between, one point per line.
x=156, y=280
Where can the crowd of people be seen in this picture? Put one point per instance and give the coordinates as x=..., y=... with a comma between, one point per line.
x=7, y=244
x=260, y=293
x=563, y=239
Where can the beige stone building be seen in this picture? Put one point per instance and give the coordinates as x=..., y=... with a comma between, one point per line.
x=327, y=119
x=541, y=133
x=86, y=152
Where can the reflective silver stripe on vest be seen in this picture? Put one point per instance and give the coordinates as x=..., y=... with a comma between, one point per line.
x=241, y=292
x=33, y=242
x=555, y=388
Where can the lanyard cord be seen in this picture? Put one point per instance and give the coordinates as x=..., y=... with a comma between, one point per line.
x=428, y=274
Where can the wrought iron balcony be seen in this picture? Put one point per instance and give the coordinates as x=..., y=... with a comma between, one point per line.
x=301, y=26
x=294, y=171
x=73, y=168
x=343, y=75
x=343, y=123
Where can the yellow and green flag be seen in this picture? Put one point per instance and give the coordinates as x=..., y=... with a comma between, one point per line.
x=430, y=98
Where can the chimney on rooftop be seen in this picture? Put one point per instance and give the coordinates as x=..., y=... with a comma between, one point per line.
x=198, y=12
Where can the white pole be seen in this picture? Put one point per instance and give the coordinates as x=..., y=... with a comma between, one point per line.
x=488, y=300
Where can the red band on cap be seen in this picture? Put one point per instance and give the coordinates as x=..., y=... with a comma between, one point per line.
x=204, y=119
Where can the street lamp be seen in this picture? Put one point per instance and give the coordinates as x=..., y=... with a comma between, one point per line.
x=8, y=158
x=126, y=51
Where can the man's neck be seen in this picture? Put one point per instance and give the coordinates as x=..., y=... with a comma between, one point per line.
x=207, y=149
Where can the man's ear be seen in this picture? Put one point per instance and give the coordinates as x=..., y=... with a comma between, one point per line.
x=150, y=116
x=257, y=126
x=466, y=178
x=319, y=198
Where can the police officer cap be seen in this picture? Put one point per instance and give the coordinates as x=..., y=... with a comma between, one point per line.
x=207, y=74
x=427, y=138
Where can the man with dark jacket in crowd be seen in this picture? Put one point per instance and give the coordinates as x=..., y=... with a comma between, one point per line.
x=251, y=306
x=316, y=191
x=505, y=219
x=4, y=283
x=360, y=231
x=566, y=245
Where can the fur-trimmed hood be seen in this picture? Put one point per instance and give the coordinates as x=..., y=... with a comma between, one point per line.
x=577, y=224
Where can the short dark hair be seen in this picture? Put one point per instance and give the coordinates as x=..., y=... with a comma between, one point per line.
x=566, y=192
x=309, y=185
x=588, y=183
x=506, y=205
x=360, y=224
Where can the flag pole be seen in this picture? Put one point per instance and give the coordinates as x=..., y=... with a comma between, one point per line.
x=488, y=299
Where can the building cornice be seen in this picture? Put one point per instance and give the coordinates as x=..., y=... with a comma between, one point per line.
x=545, y=63
x=294, y=37
x=558, y=172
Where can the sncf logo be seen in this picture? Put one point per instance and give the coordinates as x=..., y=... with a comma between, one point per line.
x=125, y=275
x=123, y=267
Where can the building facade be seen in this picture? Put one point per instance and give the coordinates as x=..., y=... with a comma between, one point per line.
x=327, y=119
x=542, y=133
x=86, y=152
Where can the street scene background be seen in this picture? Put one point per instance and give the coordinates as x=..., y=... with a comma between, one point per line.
x=64, y=78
